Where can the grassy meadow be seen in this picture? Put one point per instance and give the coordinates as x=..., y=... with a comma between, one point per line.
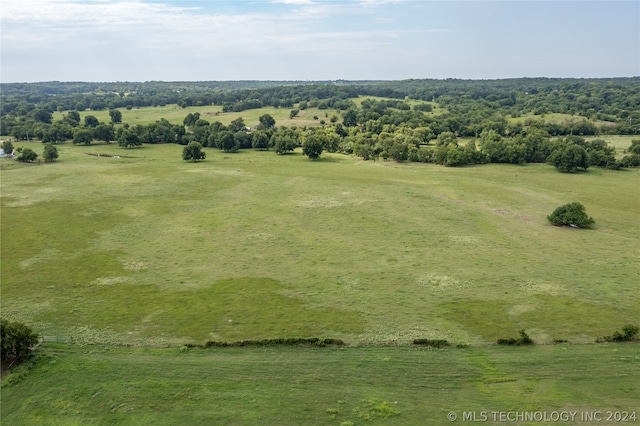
x=148, y=249
x=176, y=114
x=129, y=254
x=73, y=385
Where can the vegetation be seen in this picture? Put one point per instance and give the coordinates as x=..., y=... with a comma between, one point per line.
x=50, y=153
x=572, y=214
x=435, y=343
x=7, y=147
x=260, y=238
x=26, y=155
x=312, y=146
x=193, y=152
x=629, y=334
x=17, y=340
x=523, y=340
x=308, y=385
x=268, y=250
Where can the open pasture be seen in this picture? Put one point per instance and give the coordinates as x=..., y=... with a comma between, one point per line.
x=153, y=250
x=312, y=386
x=176, y=114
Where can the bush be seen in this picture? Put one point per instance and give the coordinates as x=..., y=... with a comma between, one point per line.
x=289, y=341
x=26, y=155
x=193, y=152
x=629, y=334
x=523, y=340
x=17, y=340
x=434, y=343
x=572, y=214
x=631, y=160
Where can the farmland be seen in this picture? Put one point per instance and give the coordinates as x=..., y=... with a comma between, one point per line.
x=327, y=386
x=136, y=258
x=253, y=245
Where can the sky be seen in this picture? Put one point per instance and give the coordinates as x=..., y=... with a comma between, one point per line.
x=197, y=40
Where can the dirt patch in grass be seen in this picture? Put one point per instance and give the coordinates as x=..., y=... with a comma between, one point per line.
x=110, y=156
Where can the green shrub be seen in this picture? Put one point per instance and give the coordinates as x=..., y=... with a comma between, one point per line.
x=572, y=214
x=288, y=341
x=17, y=341
x=523, y=340
x=629, y=334
x=434, y=343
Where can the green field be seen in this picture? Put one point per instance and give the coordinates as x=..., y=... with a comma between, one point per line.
x=556, y=118
x=255, y=245
x=139, y=248
x=212, y=113
x=73, y=385
x=176, y=114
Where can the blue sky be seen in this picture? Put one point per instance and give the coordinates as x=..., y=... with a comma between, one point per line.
x=141, y=40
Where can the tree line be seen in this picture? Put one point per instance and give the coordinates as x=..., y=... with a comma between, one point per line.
x=471, y=105
x=388, y=128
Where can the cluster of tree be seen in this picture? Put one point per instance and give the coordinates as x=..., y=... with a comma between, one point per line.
x=606, y=105
x=28, y=155
x=39, y=125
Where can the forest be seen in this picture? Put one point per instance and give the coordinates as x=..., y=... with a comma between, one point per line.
x=450, y=122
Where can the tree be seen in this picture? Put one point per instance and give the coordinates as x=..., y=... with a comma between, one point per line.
x=446, y=138
x=104, y=132
x=266, y=121
x=128, y=139
x=237, y=125
x=26, y=155
x=193, y=152
x=42, y=115
x=294, y=113
x=572, y=214
x=226, y=142
x=82, y=136
x=17, y=340
x=259, y=140
x=634, y=148
x=283, y=143
x=59, y=131
x=50, y=153
x=191, y=119
x=90, y=121
x=116, y=116
x=312, y=146
x=567, y=159
x=7, y=147
x=350, y=118
x=72, y=118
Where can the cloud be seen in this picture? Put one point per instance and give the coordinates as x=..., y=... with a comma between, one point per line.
x=294, y=2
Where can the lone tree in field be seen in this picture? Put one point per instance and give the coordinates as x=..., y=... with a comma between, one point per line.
x=572, y=214
x=50, y=153
x=17, y=340
x=193, y=152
